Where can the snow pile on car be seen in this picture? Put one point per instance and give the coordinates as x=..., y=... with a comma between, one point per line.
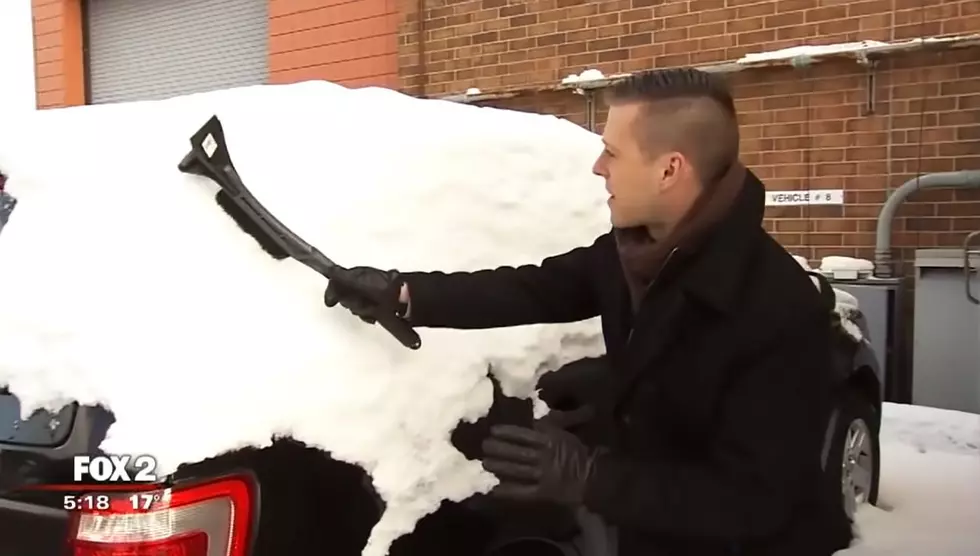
x=846, y=305
x=125, y=284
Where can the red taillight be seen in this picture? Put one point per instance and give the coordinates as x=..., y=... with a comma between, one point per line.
x=195, y=544
x=210, y=519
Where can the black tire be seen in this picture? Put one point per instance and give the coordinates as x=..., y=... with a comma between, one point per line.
x=855, y=410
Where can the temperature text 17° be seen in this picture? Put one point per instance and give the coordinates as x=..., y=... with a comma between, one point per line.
x=144, y=501
x=115, y=469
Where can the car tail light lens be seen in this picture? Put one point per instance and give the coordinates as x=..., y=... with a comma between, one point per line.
x=210, y=519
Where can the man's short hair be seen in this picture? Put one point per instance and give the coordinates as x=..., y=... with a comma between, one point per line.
x=687, y=110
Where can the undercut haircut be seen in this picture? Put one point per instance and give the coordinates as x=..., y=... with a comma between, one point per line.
x=685, y=110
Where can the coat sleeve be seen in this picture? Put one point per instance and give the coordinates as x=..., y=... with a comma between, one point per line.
x=766, y=455
x=559, y=290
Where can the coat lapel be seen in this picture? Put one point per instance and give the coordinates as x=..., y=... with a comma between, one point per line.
x=657, y=329
x=710, y=276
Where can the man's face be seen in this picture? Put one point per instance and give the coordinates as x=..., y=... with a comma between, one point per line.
x=638, y=184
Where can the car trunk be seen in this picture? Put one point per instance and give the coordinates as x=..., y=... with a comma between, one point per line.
x=31, y=522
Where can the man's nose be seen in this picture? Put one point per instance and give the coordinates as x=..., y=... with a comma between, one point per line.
x=598, y=168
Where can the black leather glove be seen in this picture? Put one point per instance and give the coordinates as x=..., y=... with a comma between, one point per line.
x=569, y=419
x=544, y=464
x=368, y=293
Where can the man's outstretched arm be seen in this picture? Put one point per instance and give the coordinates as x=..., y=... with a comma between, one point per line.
x=560, y=289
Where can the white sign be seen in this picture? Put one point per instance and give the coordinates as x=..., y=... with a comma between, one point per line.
x=811, y=197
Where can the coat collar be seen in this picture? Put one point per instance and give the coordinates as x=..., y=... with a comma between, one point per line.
x=716, y=269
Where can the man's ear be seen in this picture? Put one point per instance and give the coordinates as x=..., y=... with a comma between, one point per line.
x=670, y=167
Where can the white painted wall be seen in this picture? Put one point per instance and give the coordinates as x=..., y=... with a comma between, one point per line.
x=17, y=88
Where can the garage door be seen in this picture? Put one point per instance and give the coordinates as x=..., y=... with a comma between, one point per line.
x=153, y=49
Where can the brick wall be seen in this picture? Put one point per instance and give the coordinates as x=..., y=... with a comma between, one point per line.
x=810, y=130
x=352, y=42
x=800, y=127
x=58, y=62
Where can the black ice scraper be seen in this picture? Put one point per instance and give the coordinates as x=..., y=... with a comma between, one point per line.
x=7, y=202
x=209, y=158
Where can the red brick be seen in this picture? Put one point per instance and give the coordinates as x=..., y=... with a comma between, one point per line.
x=58, y=53
x=352, y=43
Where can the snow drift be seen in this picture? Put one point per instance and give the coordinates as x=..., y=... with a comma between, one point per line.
x=930, y=486
x=124, y=283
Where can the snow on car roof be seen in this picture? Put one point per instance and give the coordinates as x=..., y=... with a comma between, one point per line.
x=125, y=284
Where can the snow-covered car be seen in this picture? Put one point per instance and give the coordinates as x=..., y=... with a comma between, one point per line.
x=136, y=317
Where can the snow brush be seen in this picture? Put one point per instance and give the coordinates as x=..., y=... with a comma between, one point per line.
x=209, y=157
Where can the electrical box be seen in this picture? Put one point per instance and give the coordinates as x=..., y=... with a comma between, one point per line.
x=946, y=356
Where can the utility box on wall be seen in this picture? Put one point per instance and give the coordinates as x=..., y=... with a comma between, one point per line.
x=946, y=369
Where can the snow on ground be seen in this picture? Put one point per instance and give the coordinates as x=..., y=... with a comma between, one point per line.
x=125, y=284
x=929, y=501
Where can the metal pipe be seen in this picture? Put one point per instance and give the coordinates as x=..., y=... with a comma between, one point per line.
x=863, y=53
x=420, y=30
x=965, y=179
x=968, y=265
x=590, y=110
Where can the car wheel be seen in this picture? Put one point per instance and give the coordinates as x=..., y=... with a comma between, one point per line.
x=853, y=460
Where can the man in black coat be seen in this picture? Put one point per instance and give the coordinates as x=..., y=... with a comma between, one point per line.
x=719, y=342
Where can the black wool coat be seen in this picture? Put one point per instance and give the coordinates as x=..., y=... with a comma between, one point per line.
x=719, y=393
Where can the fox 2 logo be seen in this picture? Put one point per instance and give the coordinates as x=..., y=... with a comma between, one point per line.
x=115, y=469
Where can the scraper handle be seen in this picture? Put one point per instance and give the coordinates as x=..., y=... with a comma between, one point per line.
x=402, y=331
x=395, y=325
x=209, y=157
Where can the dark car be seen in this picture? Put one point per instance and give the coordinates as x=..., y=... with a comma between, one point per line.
x=289, y=499
x=7, y=202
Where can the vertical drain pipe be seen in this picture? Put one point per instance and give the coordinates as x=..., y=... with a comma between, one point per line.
x=420, y=30
x=590, y=110
x=884, y=263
